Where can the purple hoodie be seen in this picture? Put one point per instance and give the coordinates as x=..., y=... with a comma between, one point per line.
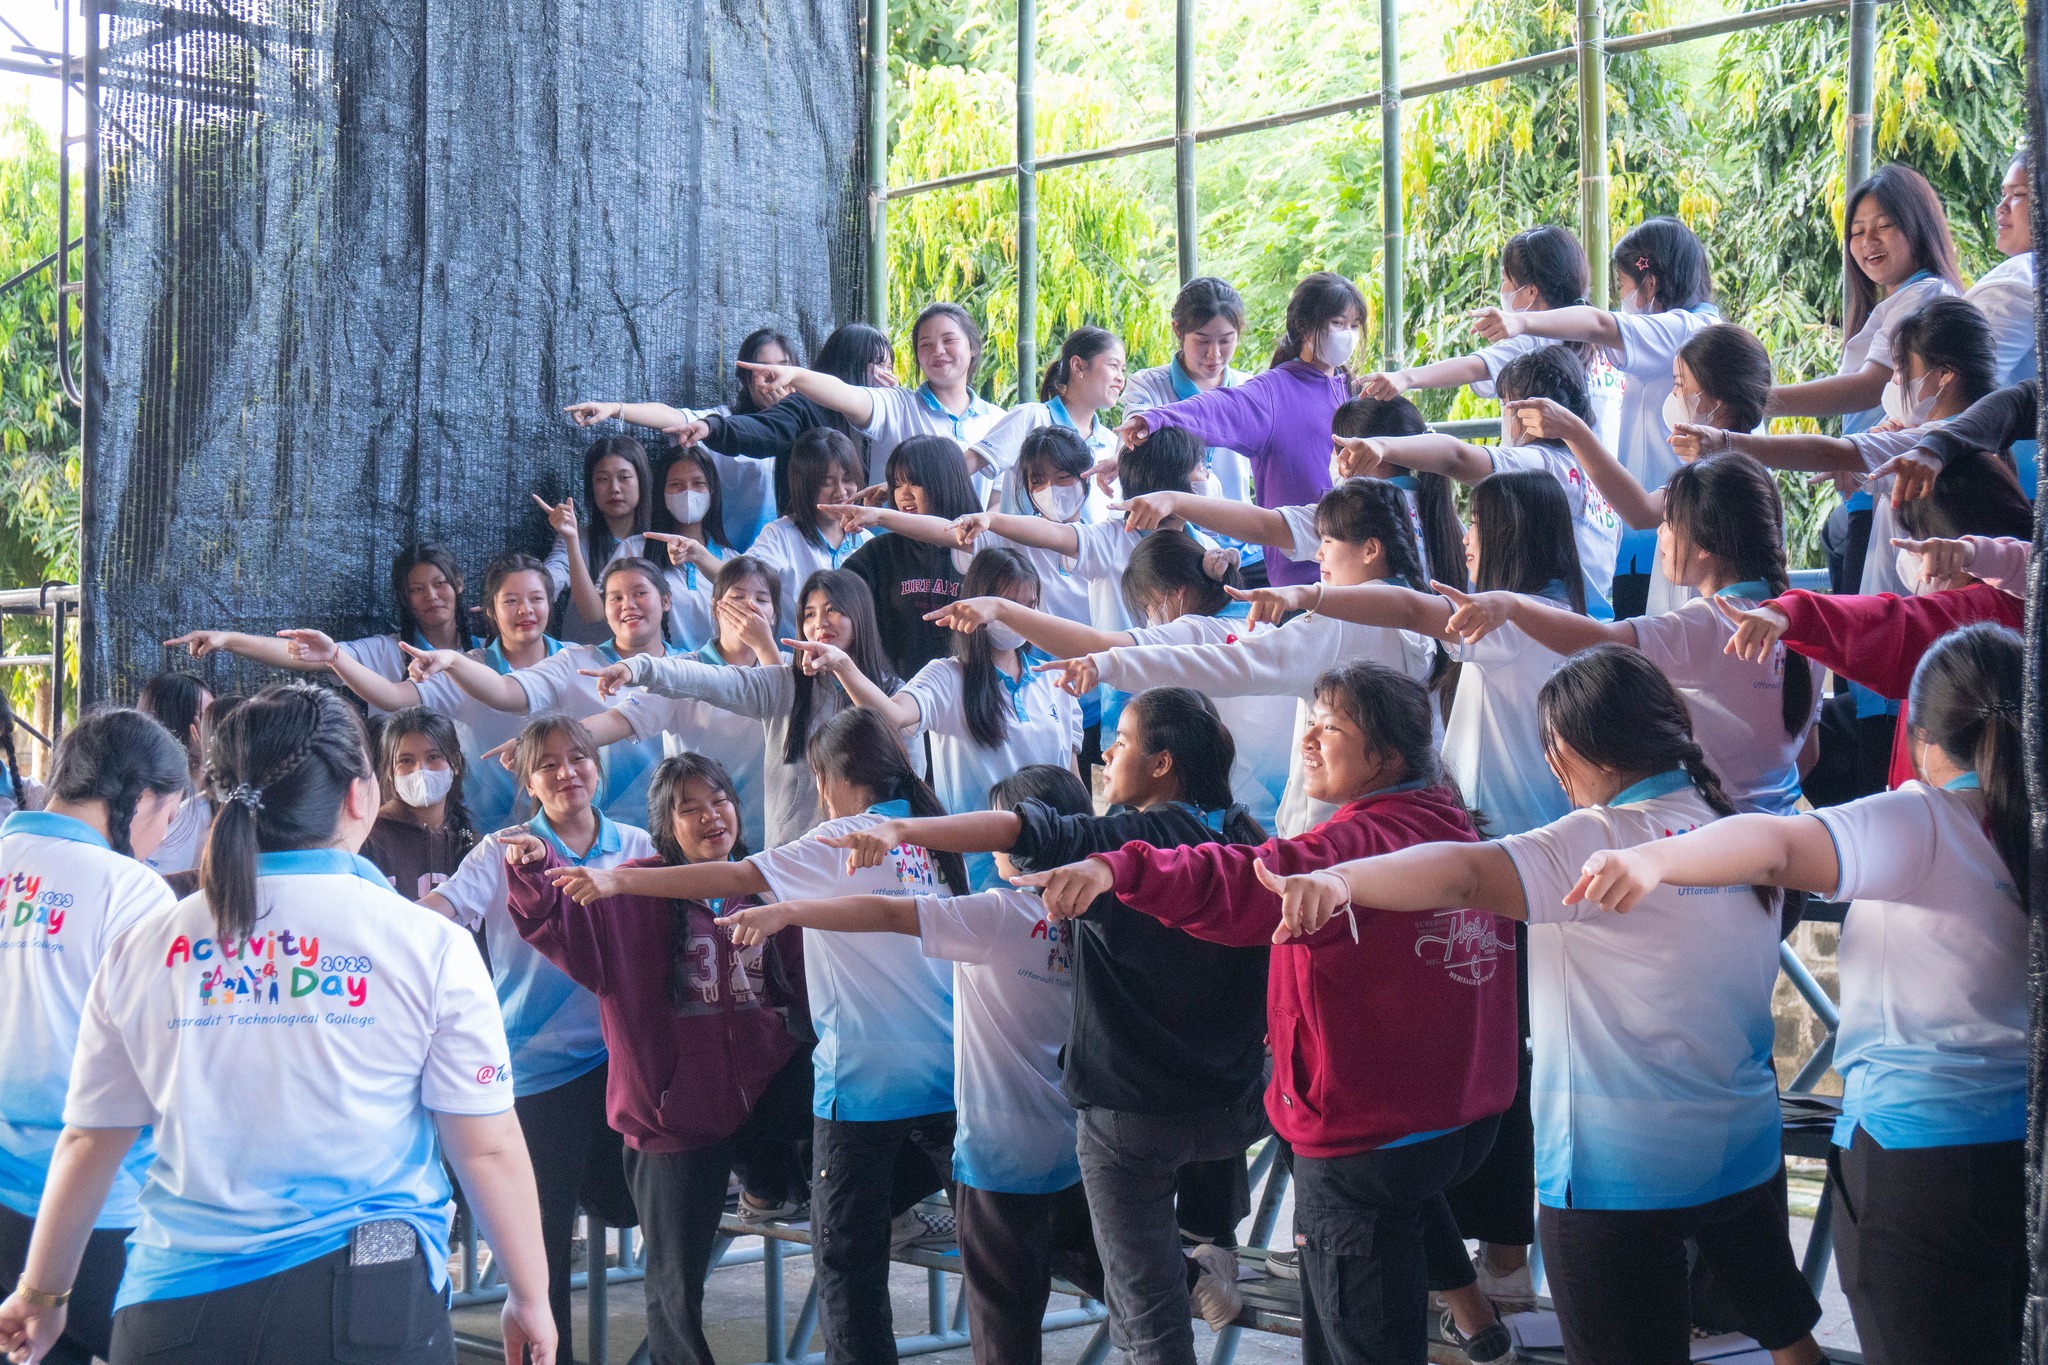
x=1280, y=420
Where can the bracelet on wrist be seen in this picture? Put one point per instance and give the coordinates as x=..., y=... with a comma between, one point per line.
x=41, y=1298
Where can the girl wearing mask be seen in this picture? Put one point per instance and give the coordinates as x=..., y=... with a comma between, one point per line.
x=423, y=828
x=689, y=524
x=1281, y=419
x=619, y=489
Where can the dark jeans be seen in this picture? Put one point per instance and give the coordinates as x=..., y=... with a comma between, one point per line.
x=1375, y=1233
x=1211, y=1198
x=1011, y=1245
x=89, y=1324
x=867, y=1173
x=325, y=1312
x=1619, y=1276
x=1930, y=1243
x=1129, y=1165
x=576, y=1160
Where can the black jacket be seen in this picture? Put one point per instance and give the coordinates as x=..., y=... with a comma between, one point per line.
x=769, y=433
x=1992, y=423
x=908, y=579
x=1164, y=1022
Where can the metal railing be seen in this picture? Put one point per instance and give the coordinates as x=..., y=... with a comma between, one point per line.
x=1589, y=53
x=58, y=602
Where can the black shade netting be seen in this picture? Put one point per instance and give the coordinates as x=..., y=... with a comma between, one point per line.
x=354, y=257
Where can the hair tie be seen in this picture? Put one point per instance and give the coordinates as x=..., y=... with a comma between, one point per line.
x=1217, y=564
x=1642, y=263
x=248, y=796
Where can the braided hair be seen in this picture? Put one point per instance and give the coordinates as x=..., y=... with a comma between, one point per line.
x=114, y=755
x=7, y=748
x=281, y=766
x=1613, y=708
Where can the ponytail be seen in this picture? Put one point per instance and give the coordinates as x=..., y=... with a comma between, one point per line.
x=1083, y=343
x=863, y=750
x=1965, y=700
x=114, y=755
x=281, y=767
x=1184, y=724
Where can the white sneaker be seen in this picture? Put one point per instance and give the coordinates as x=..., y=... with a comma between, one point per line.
x=1514, y=1292
x=1284, y=1265
x=919, y=1226
x=793, y=1210
x=1215, y=1293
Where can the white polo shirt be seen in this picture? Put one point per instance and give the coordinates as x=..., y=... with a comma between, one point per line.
x=1596, y=530
x=691, y=621
x=901, y=413
x=1933, y=1042
x=551, y=1023
x=1044, y=727
x=488, y=787
x=65, y=896
x=1604, y=383
x=291, y=1076
x=1873, y=340
x=883, y=1011
x=2005, y=296
x=795, y=558
x=1013, y=1006
x=1258, y=776
x=1493, y=745
x=1651, y=1030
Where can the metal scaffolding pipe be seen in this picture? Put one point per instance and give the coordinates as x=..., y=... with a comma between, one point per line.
x=1592, y=51
x=1392, y=312
x=1027, y=201
x=1862, y=84
x=1187, y=223
x=878, y=163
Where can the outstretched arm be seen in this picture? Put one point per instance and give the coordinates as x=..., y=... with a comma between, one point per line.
x=1558, y=629
x=1225, y=516
x=1429, y=452
x=262, y=649
x=314, y=647
x=689, y=882
x=843, y=915
x=851, y=401
x=1056, y=635
x=1387, y=604
x=1444, y=374
x=1767, y=850
x=1833, y=396
x=814, y=658
x=1446, y=876
x=1814, y=454
x=1547, y=420
x=982, y=831
x=1057, y=536
x=497, y=690
x=1581, y=322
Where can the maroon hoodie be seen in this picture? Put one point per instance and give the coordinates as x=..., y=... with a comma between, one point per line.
x=1409, y=1030
x=685, y=1072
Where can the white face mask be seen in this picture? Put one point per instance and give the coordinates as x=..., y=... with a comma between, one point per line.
x=689, y=508
x=1060, y=501
x=1908, y=405
x=1002, y=637
x=1677, y=408
x=424, y=787
x=1336, y=346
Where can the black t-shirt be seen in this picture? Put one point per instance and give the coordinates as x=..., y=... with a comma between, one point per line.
x=908, y=578
x=415, y=859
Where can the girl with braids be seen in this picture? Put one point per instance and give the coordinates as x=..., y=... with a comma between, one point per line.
x=423, y=829
x=1280, y=419
x=1928, y=1163
x=1721, y=535
x=1363, y=536
x=619, y=490
x=789, y=700
x=1391, y=1064
x=1656, y=1107
x=882, y=1139
x=676, y=997
x=361, y=1031
x=552, y=1023
x=116, y=787
x=516, y=598
x=21, y=792
x=180, y=702
x=427, y=586
x=986, y=712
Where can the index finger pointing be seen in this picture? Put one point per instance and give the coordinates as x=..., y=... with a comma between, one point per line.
x=1446, y=590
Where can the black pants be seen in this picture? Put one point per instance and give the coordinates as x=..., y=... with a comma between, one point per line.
x=771, y=1153
x=1855, y=753
x=867, y=1173
x=89, y=1324
x=1498, y=1204
x=1374, y=1233
x=1930, y=1244
x=576, y=1160
x=325, y=1312
x=1210, y=1198
x=1011, y=1245
x=1619, y=1276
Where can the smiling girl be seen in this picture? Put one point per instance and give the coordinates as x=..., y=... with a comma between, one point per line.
x=618, y=488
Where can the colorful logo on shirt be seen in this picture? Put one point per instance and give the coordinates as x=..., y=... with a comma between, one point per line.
x=269, y=967
x=1059, y=944
x=914, y=869
x=27, y=904
x=1463, y=943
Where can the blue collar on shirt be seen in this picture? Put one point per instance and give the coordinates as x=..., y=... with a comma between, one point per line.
x=1407, y=483
x=1755, y=590
x=1650, y=788
x=1236, y=611
x=1017, y=686
x=320, y=862
x=609, y=651
x=1967, y=782
x=1212, y=820
x=1058, y=408
x=1184, y=387
x=975, y=407
x=609, y=840
x=891, y=810
x=494, y=653
x=463, y=642
x=709, y=652
x=53, y=826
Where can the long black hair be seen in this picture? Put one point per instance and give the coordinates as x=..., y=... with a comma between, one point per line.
x=994, y=572
x=713, y=525
x=1905, y=197
x=1616, y=710
x=1667, y=250
x=1525, y=536
x=849, y=595
x=1973, y=495
x=811, y=456
x=1731, y=367
x=1951, y=334
x=755, y=342
x=598, y=540
x=1358, y=510
x=1394, y=712
x=177, y=700
x=665, y=789
x=860, y=748
x=115, y=754
x=1166, y=562
x=440, y=557
x=1727, y=505
x=850, y=352
x=1083, y=344
x=1551, y=259
x=1436, y=501
x=281, y=765
x=935, y=464
x=1317, y=301
x=1181, y=722
x=1965, y=700
x=440, y=732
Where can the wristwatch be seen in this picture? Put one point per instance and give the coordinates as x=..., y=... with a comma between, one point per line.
x=41, y=1298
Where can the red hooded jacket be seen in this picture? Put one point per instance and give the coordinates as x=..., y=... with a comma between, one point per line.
x=685, y=1073
x=1411, y=1029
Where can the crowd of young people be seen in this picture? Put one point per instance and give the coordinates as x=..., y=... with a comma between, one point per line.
x=883, y=795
